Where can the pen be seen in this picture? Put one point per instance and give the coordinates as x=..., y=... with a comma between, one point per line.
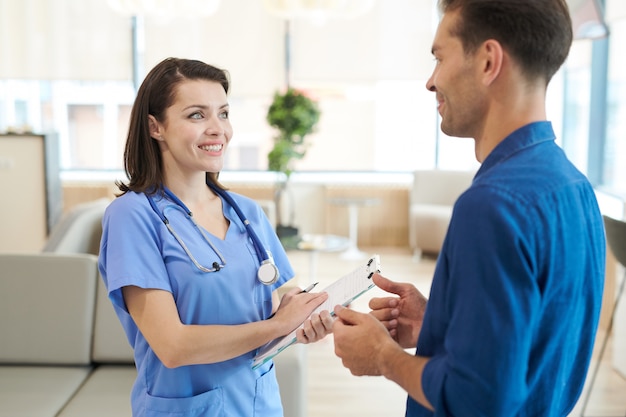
x=307, y=289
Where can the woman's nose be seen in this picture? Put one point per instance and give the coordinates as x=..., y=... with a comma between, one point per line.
x=215, y=125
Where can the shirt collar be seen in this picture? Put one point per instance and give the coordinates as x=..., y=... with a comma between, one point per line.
x=522, y=138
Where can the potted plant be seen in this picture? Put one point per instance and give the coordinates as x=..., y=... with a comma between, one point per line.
x=294, y=115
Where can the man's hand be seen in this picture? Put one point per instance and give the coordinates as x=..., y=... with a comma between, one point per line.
x=402, y=315
x=360, y=340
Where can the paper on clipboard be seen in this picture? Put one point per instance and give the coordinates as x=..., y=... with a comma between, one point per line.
x=343, y=291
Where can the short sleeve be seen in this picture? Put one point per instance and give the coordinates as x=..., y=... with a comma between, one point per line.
x=130, y=252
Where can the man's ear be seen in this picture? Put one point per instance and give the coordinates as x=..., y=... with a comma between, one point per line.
x=492, y=55
x=155, y=128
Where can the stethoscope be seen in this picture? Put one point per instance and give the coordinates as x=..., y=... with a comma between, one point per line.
x=267, y=272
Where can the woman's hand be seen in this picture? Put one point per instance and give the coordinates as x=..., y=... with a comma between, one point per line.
x=315, y=328
x=296, y=307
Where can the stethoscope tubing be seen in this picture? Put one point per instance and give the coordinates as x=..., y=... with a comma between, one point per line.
x=165, y=220
x=267, y=273
x=262, y=254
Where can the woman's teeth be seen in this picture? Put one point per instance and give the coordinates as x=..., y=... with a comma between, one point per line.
x=212, y=148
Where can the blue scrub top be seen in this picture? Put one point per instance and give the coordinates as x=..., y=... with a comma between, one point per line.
x=137, y=249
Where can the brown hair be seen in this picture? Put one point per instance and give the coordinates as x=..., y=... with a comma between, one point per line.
x=537, y=33
x=142, y=157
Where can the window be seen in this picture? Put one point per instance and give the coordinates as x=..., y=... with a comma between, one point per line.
x=576, y=102
x=376, y=112
x=614, y=171
x=368, y=75
x=91, y=118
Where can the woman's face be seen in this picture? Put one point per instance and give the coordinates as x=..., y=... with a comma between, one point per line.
x=195, y=131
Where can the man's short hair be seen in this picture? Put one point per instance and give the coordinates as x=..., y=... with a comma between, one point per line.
x=536, y=33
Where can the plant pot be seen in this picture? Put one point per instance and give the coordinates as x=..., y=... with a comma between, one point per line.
x=284, y=231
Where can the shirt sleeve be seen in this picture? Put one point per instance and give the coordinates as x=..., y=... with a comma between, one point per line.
x=490, y=299
x=130, y=249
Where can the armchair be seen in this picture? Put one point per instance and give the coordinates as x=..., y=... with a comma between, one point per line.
x=431, y=199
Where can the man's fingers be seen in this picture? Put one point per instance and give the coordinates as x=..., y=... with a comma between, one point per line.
x=388, y=285
x=386, y=316
x=378, y=303
x=346, y=315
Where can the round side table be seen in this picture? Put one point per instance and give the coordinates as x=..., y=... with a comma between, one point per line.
x=315, y=243
x=353, y=204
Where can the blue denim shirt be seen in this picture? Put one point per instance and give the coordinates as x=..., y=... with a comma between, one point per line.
x=516, y=296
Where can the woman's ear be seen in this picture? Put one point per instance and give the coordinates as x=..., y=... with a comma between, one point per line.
x=155, y=128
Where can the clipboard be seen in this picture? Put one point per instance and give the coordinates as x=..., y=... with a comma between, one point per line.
x=343, y=291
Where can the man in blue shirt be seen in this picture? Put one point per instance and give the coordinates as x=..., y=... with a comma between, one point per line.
x=509, y=327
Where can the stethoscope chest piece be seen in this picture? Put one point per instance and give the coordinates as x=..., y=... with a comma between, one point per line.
x=267, y=272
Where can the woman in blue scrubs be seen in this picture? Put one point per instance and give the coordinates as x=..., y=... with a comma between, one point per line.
x=181, y=266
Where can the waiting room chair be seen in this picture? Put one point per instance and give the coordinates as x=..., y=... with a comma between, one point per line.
x=431, y=200
x=45, y=359
x=616, y=241
x=79, y=230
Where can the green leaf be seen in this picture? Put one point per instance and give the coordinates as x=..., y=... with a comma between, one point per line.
x=295, y=116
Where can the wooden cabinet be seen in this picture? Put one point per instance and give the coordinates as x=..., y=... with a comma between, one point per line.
x=31, y=190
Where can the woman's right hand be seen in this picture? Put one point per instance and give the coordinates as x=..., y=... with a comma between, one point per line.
x=296, y=306
x=402, y=315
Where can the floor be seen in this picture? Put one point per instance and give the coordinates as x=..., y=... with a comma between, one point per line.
x=334, y=392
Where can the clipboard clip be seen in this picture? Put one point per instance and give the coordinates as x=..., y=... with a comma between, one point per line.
x=373, y=266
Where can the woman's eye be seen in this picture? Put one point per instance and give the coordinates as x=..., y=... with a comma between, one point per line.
x=196, y=115
x=224, y=115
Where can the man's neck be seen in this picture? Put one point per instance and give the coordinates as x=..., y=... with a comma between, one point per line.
x=507, y=113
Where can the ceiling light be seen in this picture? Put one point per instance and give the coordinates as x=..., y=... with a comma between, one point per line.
x=165, y=8
x=318, y=9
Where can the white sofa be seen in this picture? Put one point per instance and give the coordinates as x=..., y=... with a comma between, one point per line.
x=431, y=199
x=62, y=350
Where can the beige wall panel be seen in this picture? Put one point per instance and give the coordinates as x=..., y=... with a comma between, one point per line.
x=384, y=224
x=23, y=224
